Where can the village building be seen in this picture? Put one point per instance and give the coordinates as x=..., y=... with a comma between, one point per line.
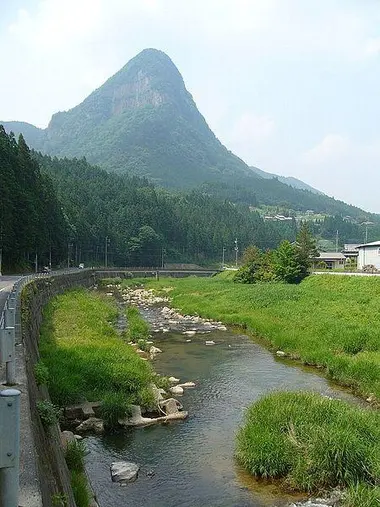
x=369, y=256
x=329, y=260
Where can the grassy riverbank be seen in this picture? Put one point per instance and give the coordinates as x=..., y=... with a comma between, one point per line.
x=310, y=442
x=85, y=357
x=332, y=322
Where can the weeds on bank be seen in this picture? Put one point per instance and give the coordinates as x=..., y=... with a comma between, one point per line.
x=362, y=495
x=84, y=355
x=74, y=455
x=312, y=443
x=138, y=329
x=115, y=406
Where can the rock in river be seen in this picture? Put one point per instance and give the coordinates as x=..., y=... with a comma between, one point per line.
x=176, y=390
x=91, y=424
x=124, y=471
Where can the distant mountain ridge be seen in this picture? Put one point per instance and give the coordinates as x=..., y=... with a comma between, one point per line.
x=288, y=180
x=143, y=121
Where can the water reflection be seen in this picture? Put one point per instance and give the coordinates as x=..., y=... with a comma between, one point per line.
x=191, y=463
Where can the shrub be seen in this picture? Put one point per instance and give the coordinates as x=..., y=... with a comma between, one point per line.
x=48, y=412
x=146, y=398
x=138, y=329
x=162, y=382
x=74, y=455
x=41, y=373
x=143, y=345
x=115, y=406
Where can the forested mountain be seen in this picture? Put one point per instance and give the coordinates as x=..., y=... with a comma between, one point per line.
x=147, y=226
x=31, y=220
x=144, y=122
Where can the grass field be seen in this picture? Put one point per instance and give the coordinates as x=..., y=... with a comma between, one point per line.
x=333, y=322
x=85, y=357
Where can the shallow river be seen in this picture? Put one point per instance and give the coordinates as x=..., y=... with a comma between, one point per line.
x=193, y=460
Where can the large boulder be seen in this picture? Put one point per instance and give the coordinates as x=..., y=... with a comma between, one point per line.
x=176, y=390
x=67, y=437
x=124, y=471
x=92, y=424
x=170, y=406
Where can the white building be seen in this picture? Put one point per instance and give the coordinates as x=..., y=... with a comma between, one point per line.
x=369, y=255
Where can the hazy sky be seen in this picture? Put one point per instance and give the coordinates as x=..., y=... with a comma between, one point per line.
x=291, y=86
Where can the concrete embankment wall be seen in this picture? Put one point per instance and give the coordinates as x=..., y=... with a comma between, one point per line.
x=54, y=478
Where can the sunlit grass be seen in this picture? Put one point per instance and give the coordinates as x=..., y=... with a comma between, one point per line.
x=85, y=357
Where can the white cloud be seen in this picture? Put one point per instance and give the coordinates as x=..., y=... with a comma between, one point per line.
x=250, y=128
x=332, y=147
x=345, y=169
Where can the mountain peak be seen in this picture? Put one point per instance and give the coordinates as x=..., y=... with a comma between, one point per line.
x=150, y=79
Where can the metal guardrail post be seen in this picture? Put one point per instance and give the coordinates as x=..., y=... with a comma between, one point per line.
x=9, y=447
x=8, y=353
x=9, y=316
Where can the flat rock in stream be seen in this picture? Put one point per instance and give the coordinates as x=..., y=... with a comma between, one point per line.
x=124, y=471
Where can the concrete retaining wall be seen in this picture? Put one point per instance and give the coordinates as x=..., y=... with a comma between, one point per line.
x=54, y=478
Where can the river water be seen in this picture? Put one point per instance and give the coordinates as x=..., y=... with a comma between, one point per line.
x=190, y=463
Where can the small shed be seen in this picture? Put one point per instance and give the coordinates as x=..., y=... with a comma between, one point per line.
x=369, y=255
x=330, y=260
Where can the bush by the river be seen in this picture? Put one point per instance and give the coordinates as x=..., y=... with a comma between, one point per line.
x=85, y=357
x=138, y=329
x=311, y=442
x=329, y=321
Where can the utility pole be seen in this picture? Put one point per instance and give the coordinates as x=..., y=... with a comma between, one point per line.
x=69, y=245
x=223, y=252
x=36, y=263
x=106, y=251
x=236, y=251
x=162, y=257
x=336, y=241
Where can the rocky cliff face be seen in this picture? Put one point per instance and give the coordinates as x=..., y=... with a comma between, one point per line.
x=143, y=120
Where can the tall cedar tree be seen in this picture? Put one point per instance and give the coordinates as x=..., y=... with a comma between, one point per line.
x=30, y=216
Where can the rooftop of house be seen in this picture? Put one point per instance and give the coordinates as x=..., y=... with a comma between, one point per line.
x=374, y=243
x=333, y=256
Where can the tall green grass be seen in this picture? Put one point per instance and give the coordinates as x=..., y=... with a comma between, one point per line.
x=329, y=321
x=138, y=329
x=310, y=442
x=85, y=357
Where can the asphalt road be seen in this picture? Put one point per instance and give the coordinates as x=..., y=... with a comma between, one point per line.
x=6, y=284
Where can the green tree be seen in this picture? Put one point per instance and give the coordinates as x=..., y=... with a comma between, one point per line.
x=286, y=263
x=306, y=248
